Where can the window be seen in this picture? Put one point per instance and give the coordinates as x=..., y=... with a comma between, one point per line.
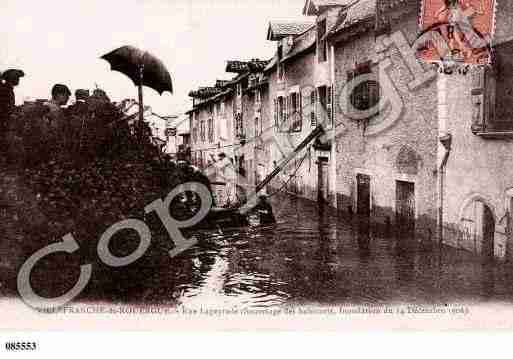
x=325, y=108
x=202, y=131
x=200, y=159
x=258, y=98
x=321, y=41
x=366, y=94
x=492, y=93
x=295, y=112
x=281, y=112
x=195, y=134
x=275, y=112
x=258, y=128
x=239, y=125
x=211, y=130
x=222, y=110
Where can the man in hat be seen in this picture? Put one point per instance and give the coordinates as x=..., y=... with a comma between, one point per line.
x=56, y=118
x=78, y=126
x=8, y=81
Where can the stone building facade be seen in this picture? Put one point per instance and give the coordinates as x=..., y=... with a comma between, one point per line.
x=405, y=143
x=300, y=91
x=386, y=120
x=478, y=186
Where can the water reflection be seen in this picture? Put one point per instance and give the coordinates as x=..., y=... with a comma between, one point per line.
x=310, y=256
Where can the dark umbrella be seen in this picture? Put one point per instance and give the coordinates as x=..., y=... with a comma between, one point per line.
x=142, y=68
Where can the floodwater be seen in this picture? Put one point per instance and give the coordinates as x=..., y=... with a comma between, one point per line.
x=310, y=256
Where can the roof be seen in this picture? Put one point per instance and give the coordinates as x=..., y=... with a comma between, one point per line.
x=302, y=43
x=386, y=6
x=239, y=67
x=209, y=99
x=314, y=7
x=222, y=83
x=359, y=12
x=272, y=63
x=277, y=30
x=205, y=92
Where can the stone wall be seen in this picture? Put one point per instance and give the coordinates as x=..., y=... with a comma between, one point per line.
x=400, y=142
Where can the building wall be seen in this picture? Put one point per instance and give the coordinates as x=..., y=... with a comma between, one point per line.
x=400, y=144
x=479, y=170
x=203, y=147
x=302, y=74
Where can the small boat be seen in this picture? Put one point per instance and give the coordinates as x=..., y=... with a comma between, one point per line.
x=224, y=218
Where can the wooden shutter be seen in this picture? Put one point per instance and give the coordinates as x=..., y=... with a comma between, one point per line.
x=313, y=108
x=300, y=110
x=300, y=97
x=478, y=100
x=276, y=112
x=351, y=98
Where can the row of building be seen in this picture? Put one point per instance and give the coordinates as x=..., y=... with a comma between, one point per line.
x=405, y=143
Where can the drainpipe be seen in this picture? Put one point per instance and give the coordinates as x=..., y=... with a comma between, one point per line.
x=445, y=139
x=446, y=142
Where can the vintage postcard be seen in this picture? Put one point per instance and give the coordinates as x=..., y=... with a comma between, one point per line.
x=256, y=165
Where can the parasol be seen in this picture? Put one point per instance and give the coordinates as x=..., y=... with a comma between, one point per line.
x=143, y=68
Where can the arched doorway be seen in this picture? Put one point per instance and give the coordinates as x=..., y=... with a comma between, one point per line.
x=478, y=227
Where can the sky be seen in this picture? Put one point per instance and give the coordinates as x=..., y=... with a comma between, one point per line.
x=57, y=41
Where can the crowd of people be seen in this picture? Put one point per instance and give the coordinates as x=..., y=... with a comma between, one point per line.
x=46, y=129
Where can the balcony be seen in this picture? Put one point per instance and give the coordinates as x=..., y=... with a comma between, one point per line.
x=490, y=126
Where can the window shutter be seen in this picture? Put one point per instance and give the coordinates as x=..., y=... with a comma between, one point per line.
x=374, y=98
x=478, y=99
x=275, y=112
x=313, y=110
x=300, y=110
x=352, y=97
x=286, y=115
x=318, y=106
x=285, y=108
x=300, y=98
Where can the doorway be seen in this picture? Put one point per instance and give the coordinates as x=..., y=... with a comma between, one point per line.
x=478, y=227
x=488, y=233
x=363, y=205
x=405, y=209
x=322, y=179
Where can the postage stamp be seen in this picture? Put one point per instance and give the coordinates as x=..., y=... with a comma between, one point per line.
x=457, y=30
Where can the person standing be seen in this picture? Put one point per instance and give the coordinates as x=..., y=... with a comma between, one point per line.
x=264, y=210
x=8, y=81
x=78, y=113
x=56, y=119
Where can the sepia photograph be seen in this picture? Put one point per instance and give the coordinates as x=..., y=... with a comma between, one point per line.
x=255, y=165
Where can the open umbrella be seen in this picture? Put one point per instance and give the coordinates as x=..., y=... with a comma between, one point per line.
x=143, y=69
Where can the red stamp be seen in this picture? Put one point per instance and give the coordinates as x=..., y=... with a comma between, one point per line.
x=456, y=30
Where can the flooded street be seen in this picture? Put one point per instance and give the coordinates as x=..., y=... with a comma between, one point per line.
x=309, y=257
